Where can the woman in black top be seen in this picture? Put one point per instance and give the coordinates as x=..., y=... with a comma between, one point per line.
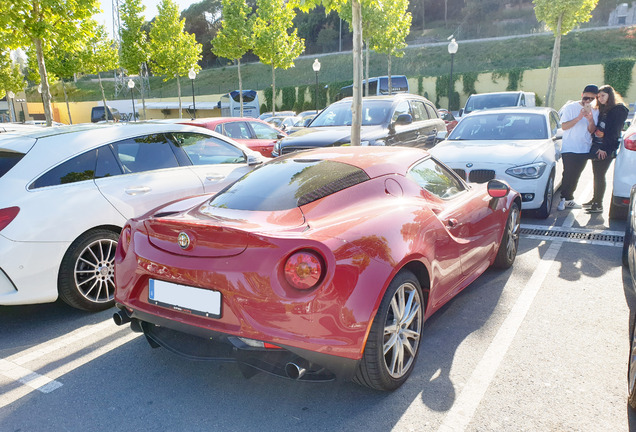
x=605, y=141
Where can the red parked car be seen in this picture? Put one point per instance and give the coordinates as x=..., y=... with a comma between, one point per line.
x=319, y=264
x=449, y=119
x=253, y=133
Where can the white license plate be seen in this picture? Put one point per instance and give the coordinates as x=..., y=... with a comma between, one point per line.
x=185, y=298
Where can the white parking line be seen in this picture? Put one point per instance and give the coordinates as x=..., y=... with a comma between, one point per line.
x=12, y=368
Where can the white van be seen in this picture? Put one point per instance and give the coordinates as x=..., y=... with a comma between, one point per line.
x=482, y=101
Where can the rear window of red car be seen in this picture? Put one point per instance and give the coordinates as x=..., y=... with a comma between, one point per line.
x=287, y=183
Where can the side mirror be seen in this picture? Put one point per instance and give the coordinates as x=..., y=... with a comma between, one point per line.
x=404, y=119
x=498, y=188
x=559, y=134
x=461, y=112
x=253, y=160
x=441, y=136
x=280, y=136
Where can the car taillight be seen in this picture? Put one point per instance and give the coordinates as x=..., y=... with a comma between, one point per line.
x=124, y=239
x=630, y=141
x=303, y=270
x=7, y=215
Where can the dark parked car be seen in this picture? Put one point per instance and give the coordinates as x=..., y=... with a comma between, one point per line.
x=98, y=114
x=401, y=119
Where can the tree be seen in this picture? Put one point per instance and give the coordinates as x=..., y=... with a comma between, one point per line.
x=133, y=52
x=561, y=16
x=11, y=78
x=64, y=64
x=39, y=23
x=273, y=43
x=203, y=19
x=389, y=37
x=172, y=51
x=235, y=37
x=99, y=56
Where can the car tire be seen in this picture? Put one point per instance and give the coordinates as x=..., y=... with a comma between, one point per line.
x=510, y=240
x=394, y=340
x=546, y=208
x=86, y=277
x=617, y=212
x=631, y=368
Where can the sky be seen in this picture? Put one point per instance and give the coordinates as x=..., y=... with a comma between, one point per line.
x=106, y=17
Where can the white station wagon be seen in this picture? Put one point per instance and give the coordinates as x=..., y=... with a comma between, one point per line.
x=68, y=191
x=519, y=145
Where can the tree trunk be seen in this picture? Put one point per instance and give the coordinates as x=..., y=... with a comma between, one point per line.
x=389, y=75
x=101, y=87
x=445, y=13
x=273, y=91
x=68, y=108
x=356, y=105
x=366, y=70
x=179, y=93
x=554, y=66
x=143, y=75
x=46, y=96
x=238, y=61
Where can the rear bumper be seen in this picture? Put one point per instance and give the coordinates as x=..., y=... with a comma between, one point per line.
x=198, y=343
x=28, y=271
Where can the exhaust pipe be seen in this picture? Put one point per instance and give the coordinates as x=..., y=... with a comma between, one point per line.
x=120, y=317
x=294, y=371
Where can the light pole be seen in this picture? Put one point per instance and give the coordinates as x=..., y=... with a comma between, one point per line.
x=11, y=95
x=316, y=67
x=452, y=49
x=131, y=86
x=192, y=75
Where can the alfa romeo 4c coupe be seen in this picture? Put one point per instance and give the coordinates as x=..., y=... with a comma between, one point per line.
x=318, y=265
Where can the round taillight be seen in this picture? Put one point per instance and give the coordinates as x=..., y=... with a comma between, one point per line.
x=124, y=239
x=303, y=270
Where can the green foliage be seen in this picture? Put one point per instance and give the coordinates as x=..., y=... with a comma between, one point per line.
x=570, y=13
x=134, y=49
x=420, y=85
x=101, y=56
x=468, y=82
x=274, y=44
x=289, y=98
x=618, y=73
x=538, y=100
x=11, y=78
x=268, y=98
x=234, y=38
x=300, y=99
x=442, y=85
x=173, y=52
x=515, y=77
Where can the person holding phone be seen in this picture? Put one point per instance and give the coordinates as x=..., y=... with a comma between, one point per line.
x=578, y=121
x=605, y=141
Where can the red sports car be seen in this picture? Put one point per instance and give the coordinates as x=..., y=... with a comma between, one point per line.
x=317, y=265
x=253, y=133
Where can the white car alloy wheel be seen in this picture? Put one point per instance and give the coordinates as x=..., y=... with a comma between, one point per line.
x=87, y=272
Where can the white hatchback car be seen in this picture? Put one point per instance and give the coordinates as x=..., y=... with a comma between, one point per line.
x=624, y=174
x=519, y=145
x=68, y=191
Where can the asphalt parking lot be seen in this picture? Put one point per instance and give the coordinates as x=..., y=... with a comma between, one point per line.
x=540, y=347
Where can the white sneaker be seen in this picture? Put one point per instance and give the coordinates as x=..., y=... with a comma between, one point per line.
x=572, y=205
x=561, y=205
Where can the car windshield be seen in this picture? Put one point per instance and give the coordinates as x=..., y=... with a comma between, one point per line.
x=502, y=126
x=486, y=101
x=374, y=112
x=287, y=183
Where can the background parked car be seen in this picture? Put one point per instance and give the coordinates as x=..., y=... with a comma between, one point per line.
x=284, y=123
x=519, y=145
x=629, y=261
x=400, y=119
x=449, y=119
x=320, y=264
x=269, y=114
x=624, y=174
x=481, y=101
x=255, y=134
x=67, y=192
x=98, y=114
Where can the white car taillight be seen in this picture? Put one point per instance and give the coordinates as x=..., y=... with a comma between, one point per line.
x=7, y=215
x=630, y=141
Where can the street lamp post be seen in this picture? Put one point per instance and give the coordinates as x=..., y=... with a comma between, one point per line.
x=452, y=49
x=316, y=67
x=192, y=75
x=131, y=86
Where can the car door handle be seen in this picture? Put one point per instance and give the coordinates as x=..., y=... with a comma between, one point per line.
x=138, y=190
x=214, y=177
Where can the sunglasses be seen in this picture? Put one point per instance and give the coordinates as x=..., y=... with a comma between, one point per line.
x=588, y=98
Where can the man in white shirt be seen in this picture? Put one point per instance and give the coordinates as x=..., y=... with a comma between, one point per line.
x=578, y=120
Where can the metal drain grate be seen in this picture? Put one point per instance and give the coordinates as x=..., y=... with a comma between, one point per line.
x=613, y=238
